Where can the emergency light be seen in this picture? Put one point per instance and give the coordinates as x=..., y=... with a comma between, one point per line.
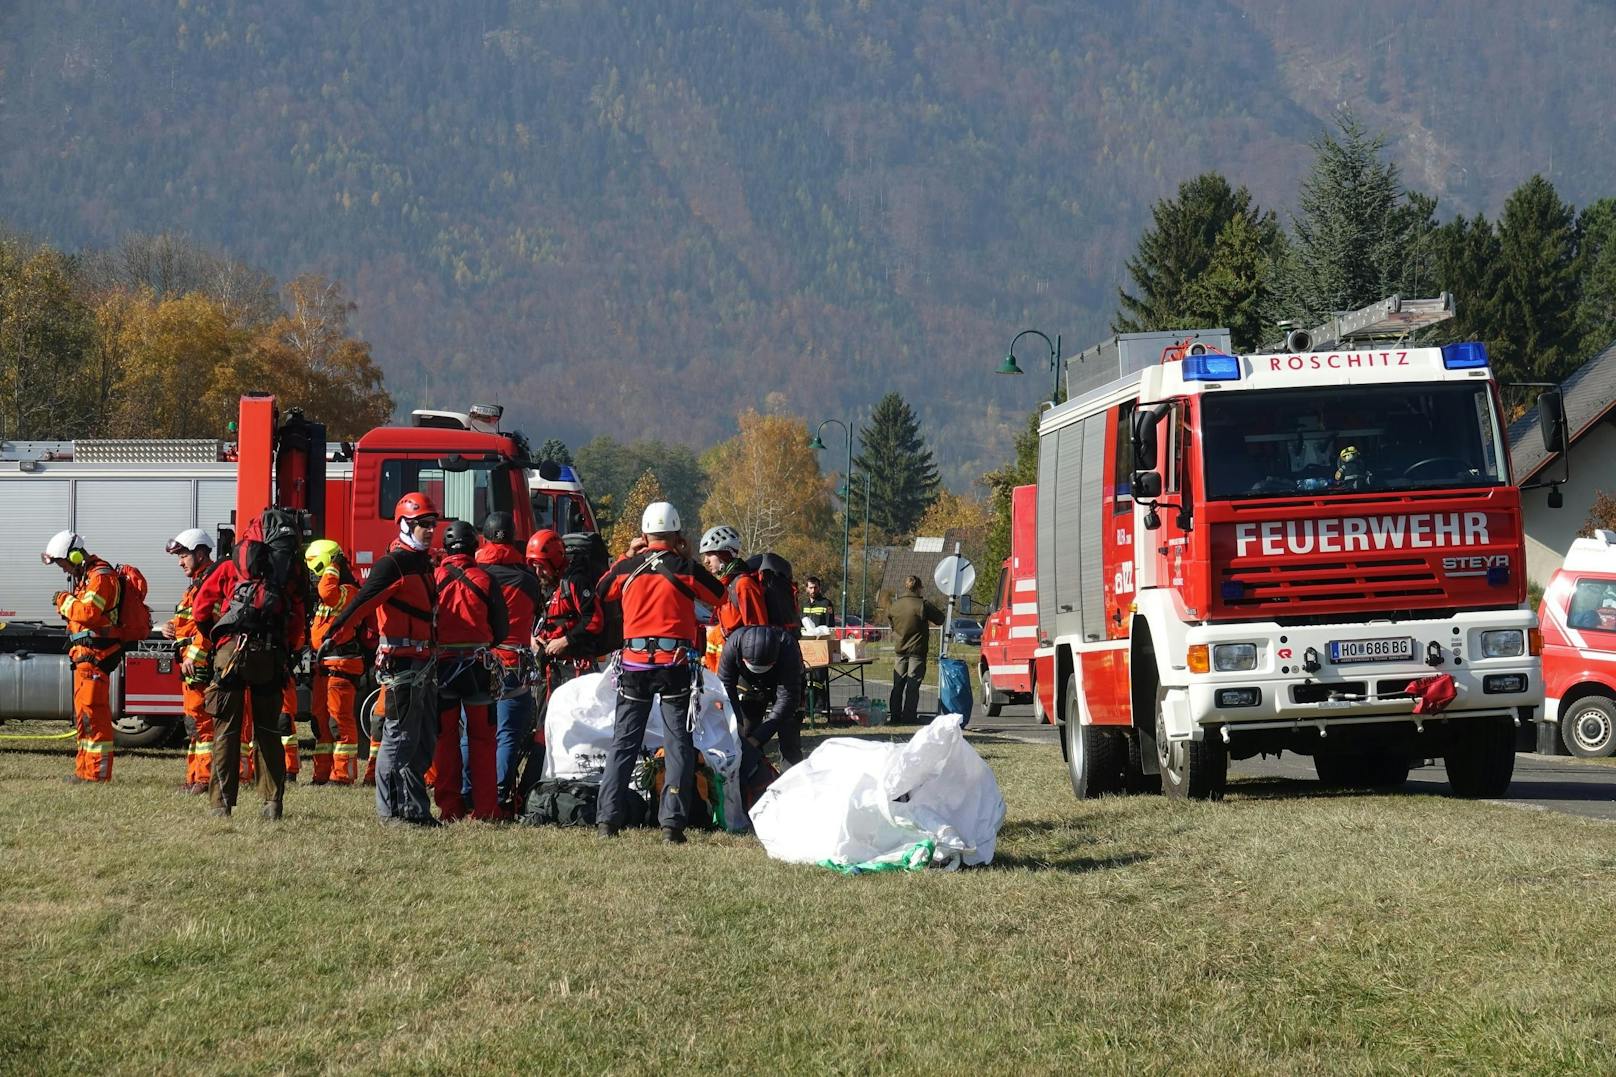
x=1470, y=353
x=564, y=473
x=1211, y=366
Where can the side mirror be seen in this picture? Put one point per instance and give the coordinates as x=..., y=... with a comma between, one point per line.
x=1551, y=420
x=1147, y=485
x=548, y=470
x=454, y=464
x=1144, y=438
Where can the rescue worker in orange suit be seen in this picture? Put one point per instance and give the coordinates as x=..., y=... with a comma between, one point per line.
x=88, y=607
x=194, y=549
x=288, y=722
x=743, y=594
x=336, y=676
x=250, y=675
x=657, y=586
x=501, y=558
x=402, y=593
x=471, y=619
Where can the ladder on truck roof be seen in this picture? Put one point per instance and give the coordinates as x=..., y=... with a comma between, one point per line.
x=1392, y=318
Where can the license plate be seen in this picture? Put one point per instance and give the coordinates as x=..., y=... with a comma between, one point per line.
x=1371, y=650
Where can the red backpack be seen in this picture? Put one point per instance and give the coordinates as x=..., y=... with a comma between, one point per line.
x=131, y=619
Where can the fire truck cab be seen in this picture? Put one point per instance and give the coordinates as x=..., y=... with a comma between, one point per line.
x=1302, y=551
x=1010, y=631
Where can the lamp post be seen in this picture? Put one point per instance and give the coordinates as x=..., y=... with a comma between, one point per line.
x=1009, y=366
x=816, y=444
x=864, y=576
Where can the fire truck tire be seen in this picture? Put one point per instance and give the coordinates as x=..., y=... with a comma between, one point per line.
x=133, y=731
x=1190, y=769
x=992, y=699
x=1481, y=759
x=1134, y=778
x=1588, y=727
x=1093, y=753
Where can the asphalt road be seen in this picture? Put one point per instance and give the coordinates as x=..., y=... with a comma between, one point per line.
x=1542, y=783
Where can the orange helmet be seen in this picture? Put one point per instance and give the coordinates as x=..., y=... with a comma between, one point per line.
x=413, y=505
x=545, y=547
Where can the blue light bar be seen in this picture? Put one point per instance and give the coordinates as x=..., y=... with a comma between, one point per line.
x=1211, y=367
x=1471, y=353
x=566, y=474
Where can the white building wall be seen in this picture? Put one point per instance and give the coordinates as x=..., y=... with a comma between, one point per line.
x=1549, y=531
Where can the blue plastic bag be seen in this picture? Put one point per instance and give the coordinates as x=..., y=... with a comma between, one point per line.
x=954, y=690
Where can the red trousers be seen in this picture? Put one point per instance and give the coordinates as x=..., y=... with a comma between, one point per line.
x=446, y=766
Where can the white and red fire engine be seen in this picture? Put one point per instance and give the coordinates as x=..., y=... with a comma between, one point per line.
x=1010, y=632
x=129, y=498
x=1579, y=647
x=1248, y=554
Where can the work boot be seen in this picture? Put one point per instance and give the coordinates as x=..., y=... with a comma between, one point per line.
x=74, y=779
x=605, y=830
x=673, y=835
x=271, y=811
x=220, y=812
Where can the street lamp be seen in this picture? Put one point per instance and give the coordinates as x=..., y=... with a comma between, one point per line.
x=819, y=445
x=1009, y=366
x=864, y=576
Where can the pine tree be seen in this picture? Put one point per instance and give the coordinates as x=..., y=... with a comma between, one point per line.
x=554, y=449
x=1596, y=315
x=1465, y=254
x=903, y=477
x=1536, y=303
x=642, y=493
x=1234, y=291
x=1180, y=247
x=1359, y=236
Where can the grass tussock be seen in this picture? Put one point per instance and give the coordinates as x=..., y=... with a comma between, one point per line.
x=1267, y=934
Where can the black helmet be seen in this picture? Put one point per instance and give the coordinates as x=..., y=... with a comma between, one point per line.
x=500, y=527
x=760, y=648
x=460, y=537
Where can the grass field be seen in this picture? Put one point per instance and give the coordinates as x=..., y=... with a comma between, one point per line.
x=1277, y=932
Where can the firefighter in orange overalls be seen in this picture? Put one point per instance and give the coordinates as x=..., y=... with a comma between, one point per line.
x=88, y=609
x=336, y=676
x=289, y=739
x=194, y=548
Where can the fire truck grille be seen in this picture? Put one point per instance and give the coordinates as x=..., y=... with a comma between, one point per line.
x=1373, y=586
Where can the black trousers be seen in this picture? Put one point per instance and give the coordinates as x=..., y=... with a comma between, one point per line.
x=635, y=691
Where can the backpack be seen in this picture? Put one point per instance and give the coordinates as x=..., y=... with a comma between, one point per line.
x=779, y=593
x=573, y=802
x=132, y=621
x=270, y=574
x=587, y=561
x=707, y=799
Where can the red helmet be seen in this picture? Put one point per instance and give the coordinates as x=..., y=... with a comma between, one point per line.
x=412, y=505
x=545, y=547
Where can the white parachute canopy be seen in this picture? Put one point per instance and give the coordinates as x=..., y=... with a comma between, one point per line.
x=858, y=804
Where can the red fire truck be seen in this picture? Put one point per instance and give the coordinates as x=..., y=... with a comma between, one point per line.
x=1011, y=630
x=1249, y=554
x=129, y=498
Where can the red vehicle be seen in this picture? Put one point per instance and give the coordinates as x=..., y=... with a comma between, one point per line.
x=1251, y=554
x=130, y=498
x=1011, y=630
x=1579, y=648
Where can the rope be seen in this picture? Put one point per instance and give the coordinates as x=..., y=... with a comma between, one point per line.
x=39, y=736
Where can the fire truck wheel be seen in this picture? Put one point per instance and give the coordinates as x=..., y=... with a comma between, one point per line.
x=1190, y=769
x=1134, y=778
x=1481, y=759
x=1093, y=753
x=992, y=699
x=133, y=731
x=1588, y=727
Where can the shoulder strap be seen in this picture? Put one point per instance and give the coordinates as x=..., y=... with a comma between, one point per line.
x=460, y=574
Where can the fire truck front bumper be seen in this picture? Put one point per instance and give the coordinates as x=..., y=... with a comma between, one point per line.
x=1267, y=676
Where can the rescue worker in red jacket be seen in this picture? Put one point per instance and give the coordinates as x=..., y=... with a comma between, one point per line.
x=194, y=549
x=569, y=630
x=743, y=594
x=250, y=675
x=88, y=608
x=501, y=557
x=471, y=619
x=657, y=586
x=401, y=591
x=336, y=676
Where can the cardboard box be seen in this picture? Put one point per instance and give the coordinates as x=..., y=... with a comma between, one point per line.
x=815, y=653
x=852, y=650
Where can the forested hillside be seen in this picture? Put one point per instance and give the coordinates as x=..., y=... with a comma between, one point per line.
x=640, y=219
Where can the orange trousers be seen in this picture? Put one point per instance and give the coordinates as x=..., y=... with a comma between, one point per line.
x=378, y=714
x=92, y=714
x=199, y=757
x=336, y=733
x=289, y=741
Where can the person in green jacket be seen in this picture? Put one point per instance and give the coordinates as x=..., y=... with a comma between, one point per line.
x=910, y=616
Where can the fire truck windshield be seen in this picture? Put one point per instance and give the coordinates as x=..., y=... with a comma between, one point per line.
x=470, y=495
x=1360, y=438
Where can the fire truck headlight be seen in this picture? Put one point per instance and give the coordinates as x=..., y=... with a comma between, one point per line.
x=1503, y=643
x=1234, y=657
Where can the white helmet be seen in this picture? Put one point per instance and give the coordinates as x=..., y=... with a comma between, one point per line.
x=62, y=546
x=721, y=538
x=659, y=518
x=190, y=540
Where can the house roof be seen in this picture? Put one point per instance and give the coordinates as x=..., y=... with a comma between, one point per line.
x=1590, y=395
x=904, y=561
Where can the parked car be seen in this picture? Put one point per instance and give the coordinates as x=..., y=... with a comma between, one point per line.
x=855, y=627
x=966, y=631
x=1578, y=616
